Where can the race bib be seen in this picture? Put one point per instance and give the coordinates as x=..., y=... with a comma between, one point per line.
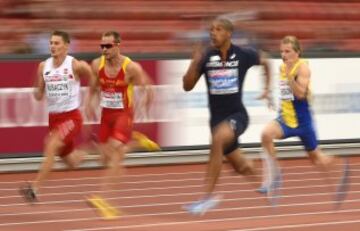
x=285, y=91
x=112, y=100
x=223, y=81
x=58, y=89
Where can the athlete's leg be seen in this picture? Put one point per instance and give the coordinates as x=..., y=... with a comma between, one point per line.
x=115, y=152
x=53, y=146
x=243, y=165
x=271, y=131
x=271, y=171
x=73, y=159
x=222, y=136
x=322, y=161
x=336, y=170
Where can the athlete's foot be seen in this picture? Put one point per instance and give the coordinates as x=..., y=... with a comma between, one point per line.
x=104, y=209
x=202, y=206
x=343, y=186
x=28, y=193
x=145, y=142
x=273, y=192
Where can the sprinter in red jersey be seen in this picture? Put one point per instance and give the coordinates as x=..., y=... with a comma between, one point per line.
x=117, y=76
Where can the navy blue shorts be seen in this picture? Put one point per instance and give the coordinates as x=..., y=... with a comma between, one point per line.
x=238, y=122
x=306, y=133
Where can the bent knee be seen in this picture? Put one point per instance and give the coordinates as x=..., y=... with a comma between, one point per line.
x=267, y=136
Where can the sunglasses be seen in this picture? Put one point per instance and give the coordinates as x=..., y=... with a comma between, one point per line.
x=107, y=45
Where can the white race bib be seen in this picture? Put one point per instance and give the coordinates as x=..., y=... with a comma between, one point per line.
x=285, y=91
x=223, y=81
x=58, y=89
x=112, y=100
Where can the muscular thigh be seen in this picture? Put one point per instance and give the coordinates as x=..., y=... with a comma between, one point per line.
x=230, y=128
x=274, y=130
x=116, y=125
x=63, y=133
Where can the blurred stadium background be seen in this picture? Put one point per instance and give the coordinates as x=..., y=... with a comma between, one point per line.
x=159, y=26
x=160, y=35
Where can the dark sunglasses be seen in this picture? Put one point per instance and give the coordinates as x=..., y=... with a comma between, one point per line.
x=107, y=46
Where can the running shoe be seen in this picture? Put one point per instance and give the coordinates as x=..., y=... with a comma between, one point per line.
x=145, y=142
x=28, y=193
x=105, y=210
x=200, y=207
x=276, y=184
x=343, y=186
x=273, y=192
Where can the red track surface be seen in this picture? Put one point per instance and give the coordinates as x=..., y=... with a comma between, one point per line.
x=151, y=199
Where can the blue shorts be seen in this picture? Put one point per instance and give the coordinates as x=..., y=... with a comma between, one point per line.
x=238, y=122
x=306, y=133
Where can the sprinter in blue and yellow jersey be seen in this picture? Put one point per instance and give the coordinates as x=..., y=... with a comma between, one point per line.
x=295, y=116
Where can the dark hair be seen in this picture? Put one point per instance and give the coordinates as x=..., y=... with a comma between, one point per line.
x=64, y=35
x=115, y=34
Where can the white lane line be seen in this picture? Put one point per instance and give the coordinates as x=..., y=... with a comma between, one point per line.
x=245, y=183
x=183, y=212
x=126, y=227
x=302, y=225
x=96, y=184
x=151, y=189
x=126, y=176
x=185, y=202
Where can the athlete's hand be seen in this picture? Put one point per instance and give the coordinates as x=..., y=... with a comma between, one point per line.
x=267, y=96
x=198, y=51
x=90, y=104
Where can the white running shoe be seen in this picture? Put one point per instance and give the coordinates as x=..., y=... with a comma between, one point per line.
x=200, y=207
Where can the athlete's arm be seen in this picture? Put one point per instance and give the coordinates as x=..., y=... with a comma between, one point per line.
x=83, y=69
x=39, y=84
x=264, y=61
x=299, y=84
x=137, y=75
x=266, y=94
x=193, y=74
x=95, y=67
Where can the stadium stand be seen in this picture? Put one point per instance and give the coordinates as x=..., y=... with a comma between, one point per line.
x=159, y=26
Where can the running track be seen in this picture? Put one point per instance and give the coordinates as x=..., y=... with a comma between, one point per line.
x=151, y=200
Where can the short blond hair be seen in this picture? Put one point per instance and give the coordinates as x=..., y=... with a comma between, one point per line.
x=294, y=41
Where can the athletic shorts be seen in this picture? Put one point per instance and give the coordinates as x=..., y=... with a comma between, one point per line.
x=238, y=122
x=68, y=124
x=117, y=124
x=306, y=133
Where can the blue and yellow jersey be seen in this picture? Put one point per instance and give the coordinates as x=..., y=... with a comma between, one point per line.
x=294, y=112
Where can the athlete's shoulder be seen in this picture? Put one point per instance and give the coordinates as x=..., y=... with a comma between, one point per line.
x=96, y=63
x=245, y=50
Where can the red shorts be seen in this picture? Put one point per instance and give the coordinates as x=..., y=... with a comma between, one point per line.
x=117, y=124
x=68, y=125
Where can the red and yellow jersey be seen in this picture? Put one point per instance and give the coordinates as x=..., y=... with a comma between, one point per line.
x=116, y=93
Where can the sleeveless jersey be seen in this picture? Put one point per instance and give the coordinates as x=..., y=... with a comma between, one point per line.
x=61, y=86
x=294, y=112
x=115, y=92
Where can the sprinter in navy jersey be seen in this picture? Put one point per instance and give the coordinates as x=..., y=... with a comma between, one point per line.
x=224, y=66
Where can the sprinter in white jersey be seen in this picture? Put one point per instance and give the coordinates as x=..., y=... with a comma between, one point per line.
x=58, y=78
